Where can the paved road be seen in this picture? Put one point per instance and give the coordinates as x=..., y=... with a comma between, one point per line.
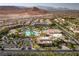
x=13, y=52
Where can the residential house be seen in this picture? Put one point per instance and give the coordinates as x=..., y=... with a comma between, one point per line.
x=54, y=33
x=44, y=40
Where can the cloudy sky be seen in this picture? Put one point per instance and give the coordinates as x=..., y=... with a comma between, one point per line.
x=63, y=5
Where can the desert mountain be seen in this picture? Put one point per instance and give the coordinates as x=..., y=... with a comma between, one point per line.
x=19, y=10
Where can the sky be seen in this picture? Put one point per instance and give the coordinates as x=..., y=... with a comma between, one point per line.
x=56, y=5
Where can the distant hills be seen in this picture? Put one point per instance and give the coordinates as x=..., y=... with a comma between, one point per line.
x=21, y=9
x=49, y=8
x=29, y=10
x=37, y=10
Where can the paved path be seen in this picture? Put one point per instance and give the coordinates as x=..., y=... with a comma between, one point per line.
x=13, y=52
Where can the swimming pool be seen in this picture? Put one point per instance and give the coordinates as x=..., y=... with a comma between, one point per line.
x=31, y=33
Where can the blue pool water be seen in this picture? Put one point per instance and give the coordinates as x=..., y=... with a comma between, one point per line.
x=30, y=33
